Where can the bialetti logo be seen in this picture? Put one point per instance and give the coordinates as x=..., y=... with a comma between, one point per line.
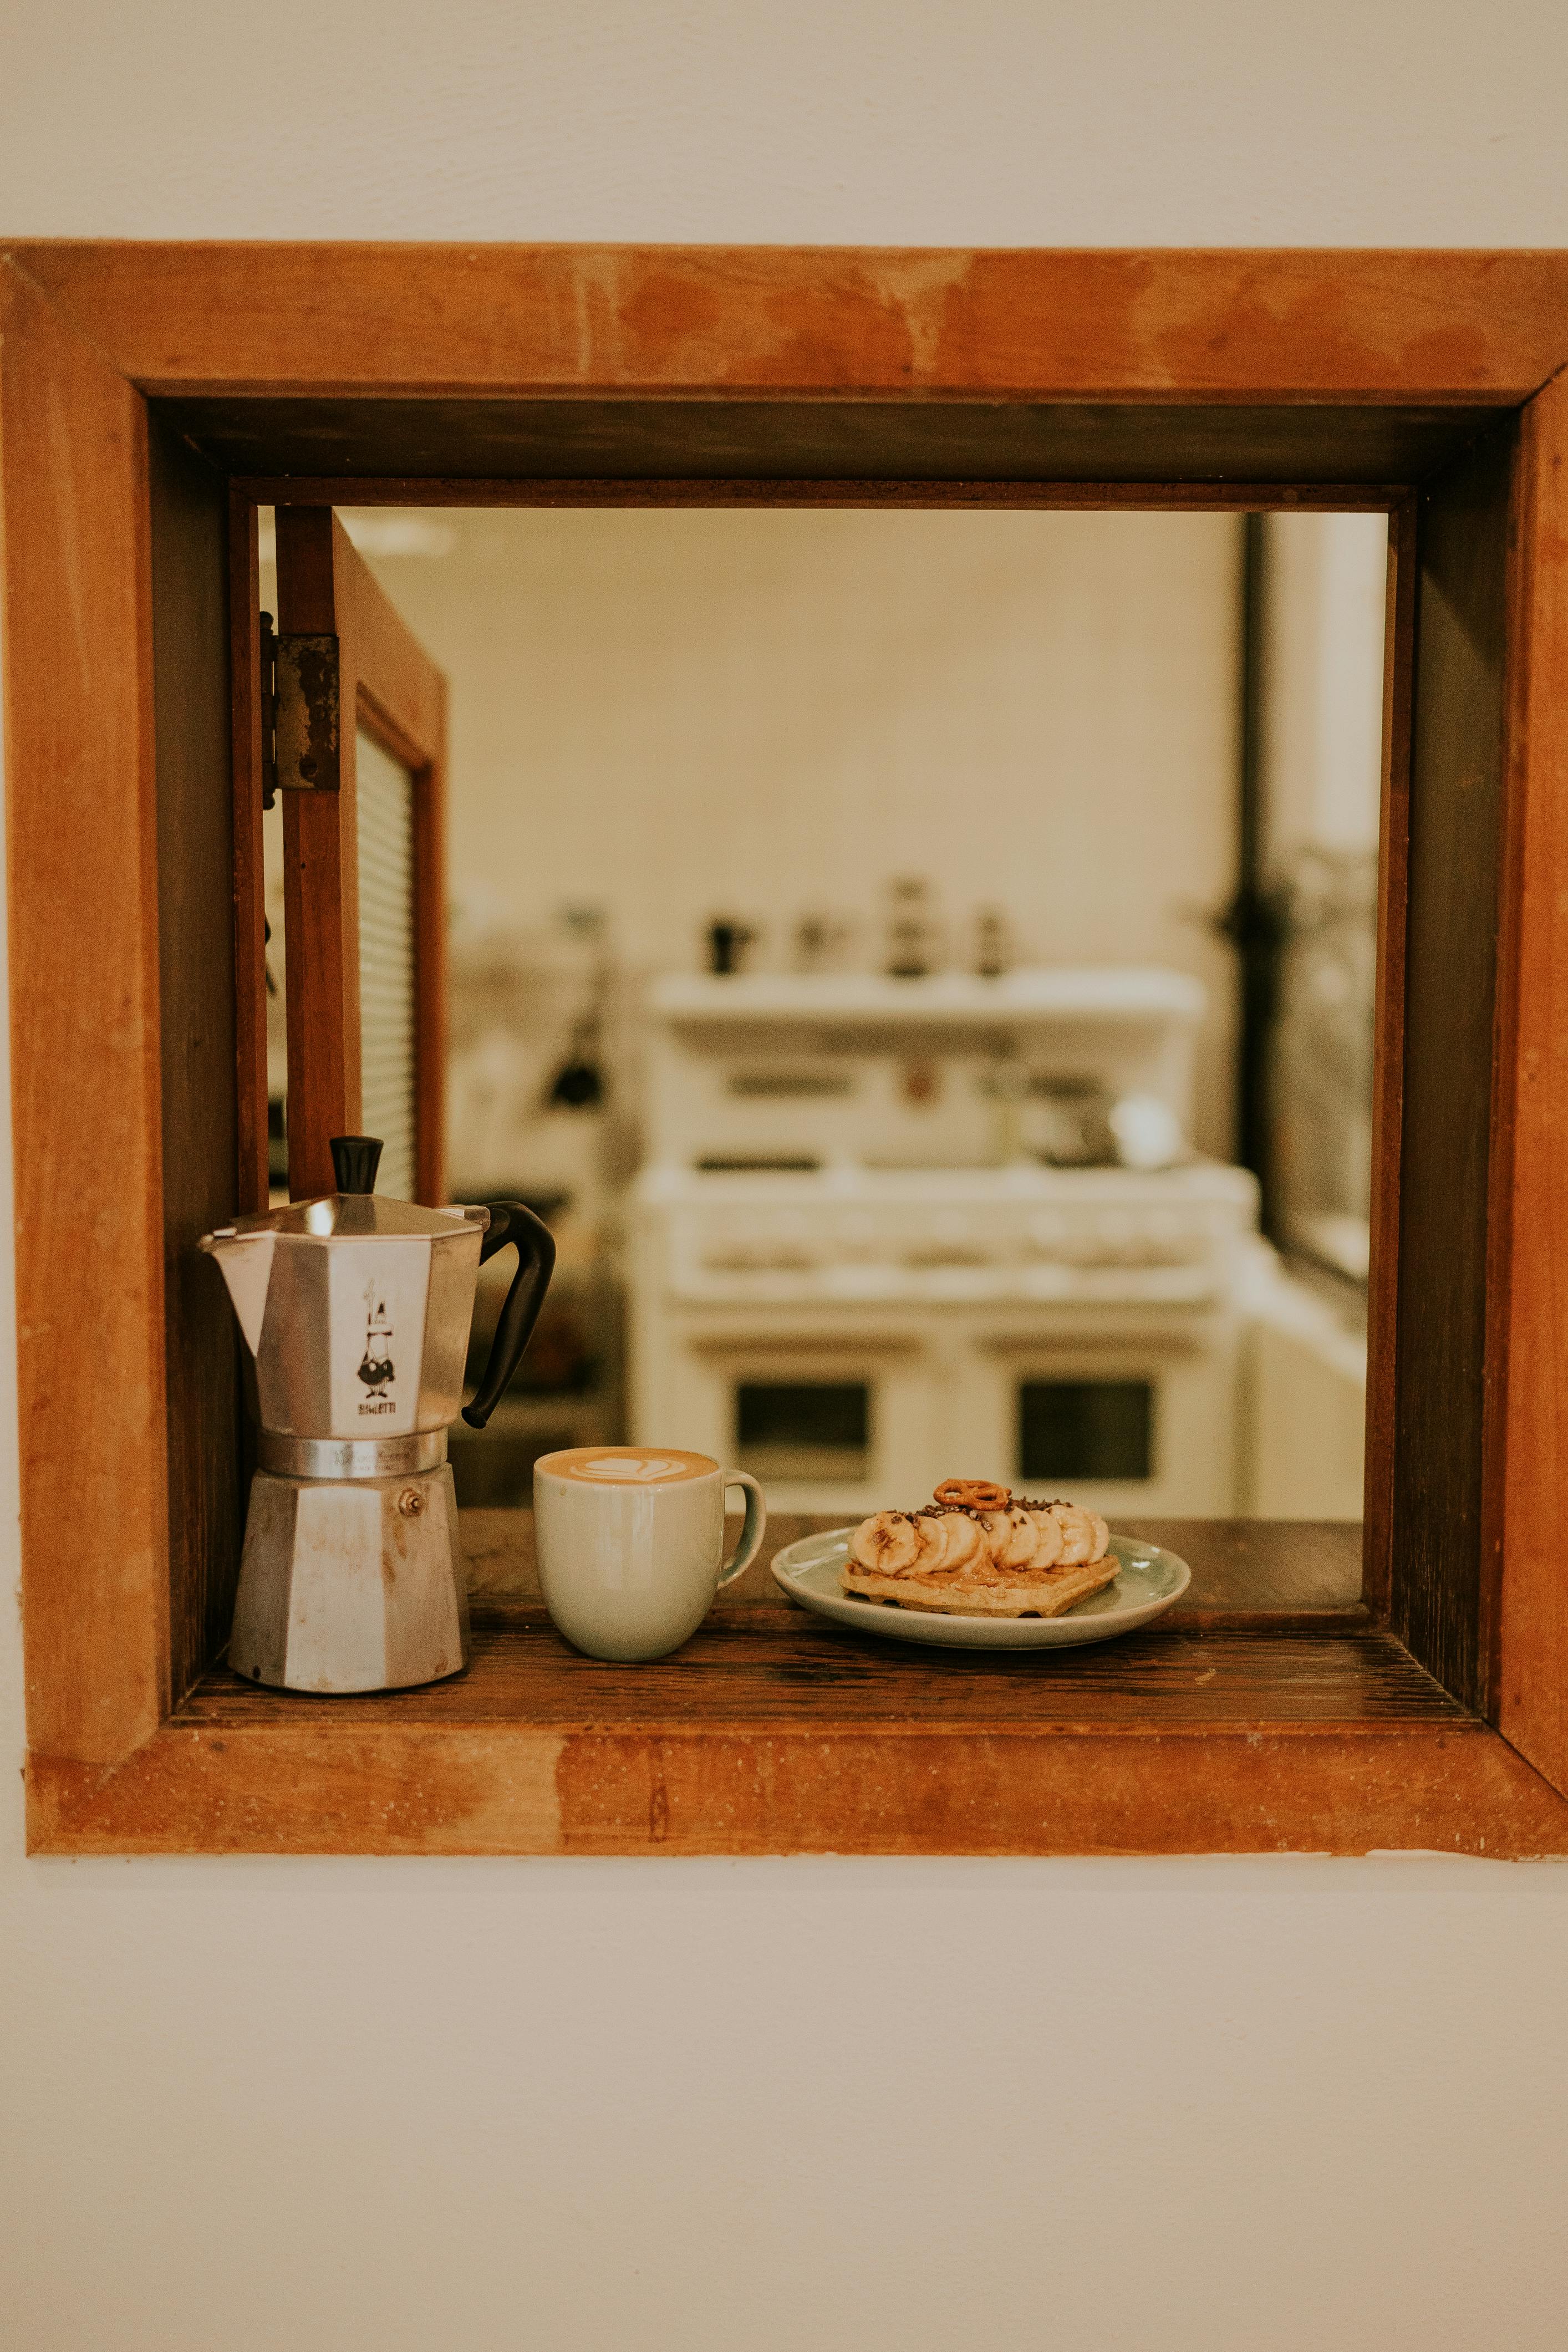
x=376, y=1369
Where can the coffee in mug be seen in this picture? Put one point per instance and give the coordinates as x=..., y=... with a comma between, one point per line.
x=630, y=1542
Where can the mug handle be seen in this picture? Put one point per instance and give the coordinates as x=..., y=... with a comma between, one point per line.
x=752, y=1528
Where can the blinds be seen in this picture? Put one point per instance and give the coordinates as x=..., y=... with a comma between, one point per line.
x=386, y=963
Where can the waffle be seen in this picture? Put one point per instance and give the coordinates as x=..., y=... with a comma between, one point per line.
x=1046, y=1596
x=959, y=1555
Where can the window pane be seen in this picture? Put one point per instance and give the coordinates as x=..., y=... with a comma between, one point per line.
x=386, y=965
x=802, y=1429
x=1084, y=1429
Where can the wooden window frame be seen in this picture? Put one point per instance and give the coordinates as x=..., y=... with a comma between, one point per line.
x=151, y=396
x=398, y=697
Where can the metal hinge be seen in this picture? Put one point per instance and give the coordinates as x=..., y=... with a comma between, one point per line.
x=299, y=713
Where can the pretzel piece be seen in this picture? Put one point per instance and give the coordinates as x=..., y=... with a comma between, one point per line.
x=972, y=1495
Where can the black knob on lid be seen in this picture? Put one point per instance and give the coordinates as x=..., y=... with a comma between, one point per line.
x=355, y=1158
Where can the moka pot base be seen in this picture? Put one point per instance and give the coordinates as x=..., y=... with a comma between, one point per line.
x=350, y=1584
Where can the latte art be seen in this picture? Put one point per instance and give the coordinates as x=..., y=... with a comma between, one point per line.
x=652, y=1467
x=635, y=1469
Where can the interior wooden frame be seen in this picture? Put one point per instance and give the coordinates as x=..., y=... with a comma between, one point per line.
x=398, y=698
x=151, y=396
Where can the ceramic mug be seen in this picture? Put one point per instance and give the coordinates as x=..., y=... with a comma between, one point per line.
x=630, y=1543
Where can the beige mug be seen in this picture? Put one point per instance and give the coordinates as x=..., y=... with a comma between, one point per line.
x=630, y=1544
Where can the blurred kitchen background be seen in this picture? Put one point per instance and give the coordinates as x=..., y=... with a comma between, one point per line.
x=921, y=964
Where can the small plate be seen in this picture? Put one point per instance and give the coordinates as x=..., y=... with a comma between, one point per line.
x=1150, y=1580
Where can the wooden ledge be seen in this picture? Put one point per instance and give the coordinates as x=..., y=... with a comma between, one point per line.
x=774, y=1733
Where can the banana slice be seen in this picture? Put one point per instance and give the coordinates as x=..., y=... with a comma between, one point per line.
x=1048, y=1545
x=1078, y=1533
x=1009, y=1537
x=983, y=1541
x=931, y=1534
x=964, y=1542
x=996, y=1531
x=887, y=1544
x=1023, y=1536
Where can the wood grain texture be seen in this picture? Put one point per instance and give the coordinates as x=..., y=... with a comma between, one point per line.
x=822, y=443
x=1154, y=495
x=1101, y=325
x=320, y=878
x=400, y=694
x=196, y=867
x=1530, y=1531
x=81, y=828
x=527, y=1790
x=772, y=1732
x=1439, y=1599
x=749, y=1666
x=251, y=1181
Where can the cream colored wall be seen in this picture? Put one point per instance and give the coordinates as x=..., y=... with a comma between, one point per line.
x=678, y=715
x=1202, y=2107
x=1322, y=681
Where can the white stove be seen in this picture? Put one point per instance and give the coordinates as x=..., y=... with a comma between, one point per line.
x=853, y=1270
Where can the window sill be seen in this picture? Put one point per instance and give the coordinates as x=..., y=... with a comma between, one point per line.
x=1295, y=1729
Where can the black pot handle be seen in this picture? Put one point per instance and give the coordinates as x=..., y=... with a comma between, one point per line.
x=510, y=1222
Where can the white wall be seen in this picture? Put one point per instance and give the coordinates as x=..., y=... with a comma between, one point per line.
x=1225, y=2107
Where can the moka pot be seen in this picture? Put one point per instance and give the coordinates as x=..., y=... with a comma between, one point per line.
x=356, y=1312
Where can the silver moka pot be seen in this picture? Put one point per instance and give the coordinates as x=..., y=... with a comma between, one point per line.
x=356, y=1311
